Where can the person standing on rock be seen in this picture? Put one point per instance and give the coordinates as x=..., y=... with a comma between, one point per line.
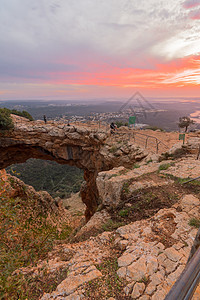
x=112, y=128
x=45, y=119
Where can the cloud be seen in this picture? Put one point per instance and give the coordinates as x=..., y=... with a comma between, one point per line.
x=195, y=14
x=92, y=42
x=191, y=3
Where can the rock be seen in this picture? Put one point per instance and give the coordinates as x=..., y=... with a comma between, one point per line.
x=121, y=272
x=152, y=158
x=128, y=288
x=174, y=276
x=110, y=183
x=173, y=254
x=161, y=258
x=95, y=223
x=122, y=244
x=159, y=295
x=137, y=270
x=125, y=260
x=193, y=144
x=152, y=265
x=157, y=278
x=188, y=202
x=177, y=150
x=169, y=265
x=138, y=290
x=150, y=289
x=71, y=145
x=71, y=283
x=74, y=296
x=144, y=297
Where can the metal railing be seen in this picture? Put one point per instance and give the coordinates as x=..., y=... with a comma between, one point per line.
x=148, y=137
x=186, y=285
x=141, y=139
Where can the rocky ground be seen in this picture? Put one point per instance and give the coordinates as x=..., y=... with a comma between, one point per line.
x=137, y=243
x=143, y=258
x=74, y=210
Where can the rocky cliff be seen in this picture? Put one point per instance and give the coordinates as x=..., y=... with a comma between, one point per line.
x=145, y=235
x=137, y=243
x=79, y=146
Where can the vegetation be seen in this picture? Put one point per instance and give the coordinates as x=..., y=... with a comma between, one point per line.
x=185, y=122
x=123, y=213
x=125, y=188
x=109, y=285
x=121, y=123
x=6, y=122
x=111, y=225
x=23, y=113
x=194, y=222
x=154, y=128
x=26, y=236
x=57, y=180
x=136, y=166
x=113, y=149
x=164, y=167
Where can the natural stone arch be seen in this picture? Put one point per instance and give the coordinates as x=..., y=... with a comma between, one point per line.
x=80, y=147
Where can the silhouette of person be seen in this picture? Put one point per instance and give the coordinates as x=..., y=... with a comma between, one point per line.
x=45, y=119
x=112, y=127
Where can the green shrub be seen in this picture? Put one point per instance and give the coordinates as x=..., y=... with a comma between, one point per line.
x=164, y=167
x=121, y=123
x=125, y=188
x=6, y=122
x=113, y=149
x=26, y=236
x=154, y=128
x=136, y=166
x=111, y=225
x=123, y=213
x=194, y=222
x=23, y=113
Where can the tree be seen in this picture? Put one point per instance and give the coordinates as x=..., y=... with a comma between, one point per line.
x=185, y=122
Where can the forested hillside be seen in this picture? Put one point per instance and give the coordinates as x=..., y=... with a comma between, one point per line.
x=57, y=180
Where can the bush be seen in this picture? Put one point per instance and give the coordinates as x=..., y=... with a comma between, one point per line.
x=123, y=213
x=6, y=122
x=23, y=113
x=164, y=167
x=194, y=222
x=154, y=128
x=121, y=123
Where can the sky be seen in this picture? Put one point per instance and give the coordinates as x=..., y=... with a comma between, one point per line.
x=87, y=49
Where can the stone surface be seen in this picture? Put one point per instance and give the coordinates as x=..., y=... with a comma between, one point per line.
x=149, y=263
x=125, y=260
x=73, y=145
x=137, y=270
x=96, y=222
x=188, y=202
x=138, y=290
x=173, y=254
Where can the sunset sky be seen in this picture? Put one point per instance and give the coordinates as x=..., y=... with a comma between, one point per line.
x=83, y=49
